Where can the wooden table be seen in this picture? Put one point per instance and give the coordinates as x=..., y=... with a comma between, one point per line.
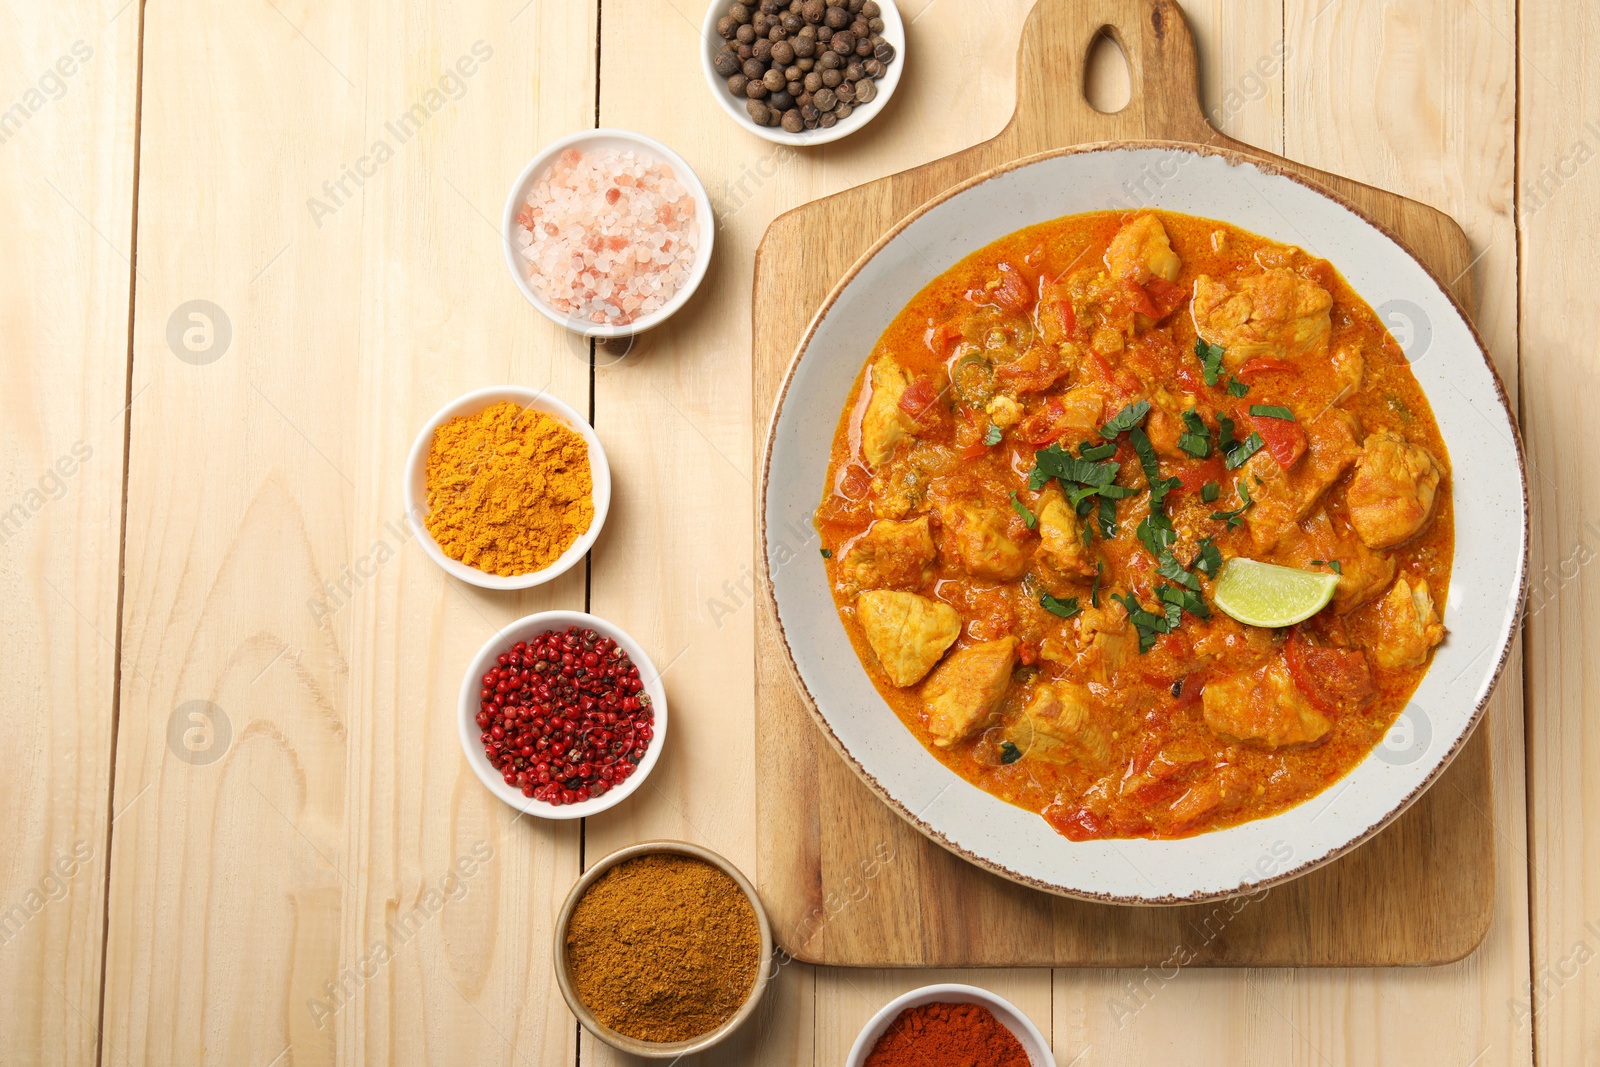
x=229, y=677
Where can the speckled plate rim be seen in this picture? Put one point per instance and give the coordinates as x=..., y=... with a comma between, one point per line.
x=622, y=1042
x=1272, y=867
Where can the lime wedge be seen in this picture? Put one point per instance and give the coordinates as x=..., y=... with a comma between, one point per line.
x=1264, y=594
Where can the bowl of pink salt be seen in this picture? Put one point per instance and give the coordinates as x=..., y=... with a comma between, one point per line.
x=608, y=232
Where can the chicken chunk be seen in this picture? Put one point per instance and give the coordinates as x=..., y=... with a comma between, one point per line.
x=1392, y=493
x=1062, y=726
x=975, y=539
x=1284, y=497
x=1061, y=546
x=889, y=555
x=1141, y=251
x=1363, y=573
x=1274, y=313
x=884, y=425
x=1103, y=642
x=1263, y=706
x=961, y=695
x=1410, y=626
x=909, y=633
x=1165, y=425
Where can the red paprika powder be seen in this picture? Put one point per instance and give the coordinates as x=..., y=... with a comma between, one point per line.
x=947, y=1035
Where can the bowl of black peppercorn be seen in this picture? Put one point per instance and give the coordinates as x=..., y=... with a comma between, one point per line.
x=803, y=72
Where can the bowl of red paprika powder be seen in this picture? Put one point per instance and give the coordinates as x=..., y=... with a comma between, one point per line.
x=950, y=1024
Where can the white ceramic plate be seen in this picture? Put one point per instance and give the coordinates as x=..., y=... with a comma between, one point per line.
x=1490, y=512
x=415, y=490
x=525, y=628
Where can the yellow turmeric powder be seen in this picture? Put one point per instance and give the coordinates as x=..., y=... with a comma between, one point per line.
x=509, y=489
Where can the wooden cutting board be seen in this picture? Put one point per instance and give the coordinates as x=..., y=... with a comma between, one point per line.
x=846, y=880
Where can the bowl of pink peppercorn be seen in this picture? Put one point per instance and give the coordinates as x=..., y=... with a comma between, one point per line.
x=562, y=715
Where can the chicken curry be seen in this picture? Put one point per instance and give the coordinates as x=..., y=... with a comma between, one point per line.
x=1045, y=462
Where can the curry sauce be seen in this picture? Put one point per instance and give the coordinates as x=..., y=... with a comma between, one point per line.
x=1042, y=465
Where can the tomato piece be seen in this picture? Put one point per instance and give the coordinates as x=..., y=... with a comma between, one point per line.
x=1260, y=365
x=939, y=339
x=1080, y=824
x=1140, y=300
x=1043, y=426
x=922, y=403
x=1159, y=791
x=1192, y=477
x=1013, y=293
x=1164, y=295
x=1332, y=679
x=1286, y=440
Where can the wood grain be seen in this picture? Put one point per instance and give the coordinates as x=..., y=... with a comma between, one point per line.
x=329, y=883
x=1559, y=99
x=1433, y=869
x=67, y=122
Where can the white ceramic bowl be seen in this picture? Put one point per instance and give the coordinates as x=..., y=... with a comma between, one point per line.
x=416, y=484
x=674, y=1050
x=894, y=31
x=593, y=140
x=1490, y=500
x=1032, y=1041
x=525, y=628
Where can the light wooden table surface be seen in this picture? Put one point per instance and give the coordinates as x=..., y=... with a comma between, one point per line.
x=228, y=679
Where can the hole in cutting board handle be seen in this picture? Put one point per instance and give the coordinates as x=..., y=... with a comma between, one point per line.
x=1107, y=79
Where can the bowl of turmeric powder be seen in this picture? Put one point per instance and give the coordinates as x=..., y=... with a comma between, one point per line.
x=507, y=487
x=663, y=949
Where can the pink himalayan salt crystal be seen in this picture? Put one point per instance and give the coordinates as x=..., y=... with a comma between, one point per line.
x=609, y=236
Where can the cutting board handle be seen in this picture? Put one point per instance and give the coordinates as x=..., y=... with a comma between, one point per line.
x=1053, y=61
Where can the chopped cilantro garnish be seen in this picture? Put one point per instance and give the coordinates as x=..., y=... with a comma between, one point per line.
x=1022, y=509
x=992, y=435
x=1208, y=561
x=1155, y=532
x=1125, y=420
x=1332, y=564
x=1241, y=452
x=1065, y=608
x=1107, y=518
x=1056, y=462
x=1272, y=411
x=827, y=553
x=1237, y=388
x=1185, y=600
x=1173, y=571
x=1210, y=360
x=1094, y=453
x=1147, y=623
x=1236, y=516
x=1196, y=439
x=1209, y=491
x=1009, y=752
x=1225, y=438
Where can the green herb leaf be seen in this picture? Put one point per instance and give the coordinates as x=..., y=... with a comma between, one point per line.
x=1184, y=599
x=1022, y=509
x=1237, y=388
x=1065, y=608
x=1210, y=360
x=1237, y=456
x=1094, y=453
x=992, y=435
x=827, y=553
x=1338, y=568
x=1272, y=411
x=1060, y=464
x=1155, y=532
x=1108, y=518
x=1209, y=491
x=1196, y=440
x=1225, y=438
x=1125, y=420
x=1009, y=752
x=1208, y=561
x=1173, y=571
x=1236, y=516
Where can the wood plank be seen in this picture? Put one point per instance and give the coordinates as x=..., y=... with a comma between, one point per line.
x=324, y=880
x=1559, y=91
x=68, y=112
x=1435, y=151
x=1443, y=843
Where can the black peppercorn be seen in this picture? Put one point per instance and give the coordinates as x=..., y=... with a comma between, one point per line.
x=737, y=83
x=792, y=122
x=758, y=112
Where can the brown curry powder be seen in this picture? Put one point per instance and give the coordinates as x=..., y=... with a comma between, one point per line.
x=509, y=489
x=663, y=948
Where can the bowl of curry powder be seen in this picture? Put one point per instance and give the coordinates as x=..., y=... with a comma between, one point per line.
x=507, y=487
x=661, y=949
